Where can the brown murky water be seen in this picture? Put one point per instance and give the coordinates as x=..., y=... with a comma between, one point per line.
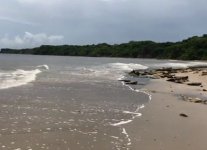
x=66, y=116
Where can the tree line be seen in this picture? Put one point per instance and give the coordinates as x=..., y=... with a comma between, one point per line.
x=193, y=48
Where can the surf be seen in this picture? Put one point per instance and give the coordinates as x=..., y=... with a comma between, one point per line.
x=19, y=77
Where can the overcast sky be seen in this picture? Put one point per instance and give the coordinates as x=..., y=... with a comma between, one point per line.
x=30, y=23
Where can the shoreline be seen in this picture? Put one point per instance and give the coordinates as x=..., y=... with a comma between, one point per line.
x=163, y=125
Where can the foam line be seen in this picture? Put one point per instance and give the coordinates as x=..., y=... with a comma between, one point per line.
x=121, y=123
x=127, y=136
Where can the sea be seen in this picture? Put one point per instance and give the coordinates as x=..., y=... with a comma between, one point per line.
x=72, y=103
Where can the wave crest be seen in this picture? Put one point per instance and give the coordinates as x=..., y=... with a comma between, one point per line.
x=46, y=67
x=127, y=66
x=19, y=77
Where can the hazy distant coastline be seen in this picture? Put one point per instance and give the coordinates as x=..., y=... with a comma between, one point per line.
x=193, y=48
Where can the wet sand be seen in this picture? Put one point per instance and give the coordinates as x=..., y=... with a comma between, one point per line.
x=162, y=127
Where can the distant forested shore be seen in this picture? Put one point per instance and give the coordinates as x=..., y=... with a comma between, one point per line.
x=193, y=48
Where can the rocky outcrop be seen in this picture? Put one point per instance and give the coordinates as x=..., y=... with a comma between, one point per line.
x=169, y=74
x=178, y=79
x=156, y=73
x=194, y=99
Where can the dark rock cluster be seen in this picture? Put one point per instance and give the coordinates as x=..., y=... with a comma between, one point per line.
x=194, y=99
x=169, y=74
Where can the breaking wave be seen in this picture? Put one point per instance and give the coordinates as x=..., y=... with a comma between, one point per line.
x=126, y=67
x=46, y=67
x=19, y=77
x=110, y=71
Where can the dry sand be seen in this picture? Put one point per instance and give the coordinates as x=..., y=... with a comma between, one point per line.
x=162, y=128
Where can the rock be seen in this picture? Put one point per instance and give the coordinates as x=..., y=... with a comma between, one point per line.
x=198, y=101
x=204, y=101
x=204, y=73
x=171, y=80
x=183, y=115
x=170, y=75
x=125, y=80
x=132, y=82
x=195, y=84
x=135, y=73
x=178, y=79
x=195, y=100
x=144, y=73
x=182, y=78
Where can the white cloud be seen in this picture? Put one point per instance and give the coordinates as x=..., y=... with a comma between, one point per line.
x=30, y=40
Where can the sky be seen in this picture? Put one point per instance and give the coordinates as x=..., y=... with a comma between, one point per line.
x=31, y=23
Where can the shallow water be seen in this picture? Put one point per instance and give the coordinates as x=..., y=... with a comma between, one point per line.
x=52, y=102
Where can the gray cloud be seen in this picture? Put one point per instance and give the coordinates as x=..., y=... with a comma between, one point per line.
x=13, y=20
x=112, y=21
x=29, y=40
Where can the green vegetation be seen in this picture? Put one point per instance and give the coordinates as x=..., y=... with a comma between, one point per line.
x=194, y=48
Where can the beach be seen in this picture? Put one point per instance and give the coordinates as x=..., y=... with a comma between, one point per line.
x=162, y=126
x=74, y=103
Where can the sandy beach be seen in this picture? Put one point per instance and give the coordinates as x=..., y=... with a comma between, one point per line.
x=162, y=127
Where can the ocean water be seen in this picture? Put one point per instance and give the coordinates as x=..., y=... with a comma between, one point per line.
x=71, y=103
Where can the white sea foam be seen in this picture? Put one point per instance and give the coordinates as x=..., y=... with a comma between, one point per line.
x=110, y=71
x=136, y=90
x=197, y=64
x=132, y=113
x=19, y=77
x=127, y=136
x=121, y=123
x=46, y=67
x=136, y=113
x=126, y=66
x=181, y=65
x=174, y=65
